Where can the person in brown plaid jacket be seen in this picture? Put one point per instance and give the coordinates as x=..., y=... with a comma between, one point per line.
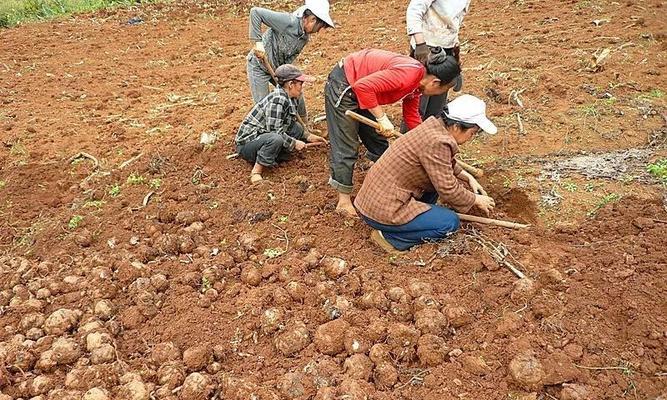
x=399, y=192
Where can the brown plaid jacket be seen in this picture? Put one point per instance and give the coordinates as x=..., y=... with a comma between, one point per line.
x=420, y=161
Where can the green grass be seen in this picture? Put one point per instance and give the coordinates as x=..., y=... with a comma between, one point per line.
x=14, y=12
x=114, y=190
x=607, y=199
x=135, y=179
x=74, y=222
x=658, y=169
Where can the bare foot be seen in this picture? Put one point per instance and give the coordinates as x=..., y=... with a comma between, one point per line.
x=347, y=210
x=255, y=178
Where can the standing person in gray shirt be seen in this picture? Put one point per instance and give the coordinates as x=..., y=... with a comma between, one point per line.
x=431, y=24
x=282, y=42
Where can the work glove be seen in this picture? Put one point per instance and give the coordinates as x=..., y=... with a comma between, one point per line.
x=421, y=53
x=259, y=50
x=386, y=128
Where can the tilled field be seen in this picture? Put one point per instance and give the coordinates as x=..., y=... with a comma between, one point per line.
x=155, y=271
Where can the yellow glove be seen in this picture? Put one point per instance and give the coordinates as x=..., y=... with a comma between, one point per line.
x=386, y=127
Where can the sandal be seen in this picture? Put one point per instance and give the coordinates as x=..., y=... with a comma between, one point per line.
x=378, y=239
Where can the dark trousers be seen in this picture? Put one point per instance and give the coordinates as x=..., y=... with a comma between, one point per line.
x=267, y=149
x=345, y=133
x=434, y=224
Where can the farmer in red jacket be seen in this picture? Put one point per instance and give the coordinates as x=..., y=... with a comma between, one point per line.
x=365, y=81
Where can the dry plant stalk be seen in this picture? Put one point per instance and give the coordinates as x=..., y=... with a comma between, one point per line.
x=499, y=252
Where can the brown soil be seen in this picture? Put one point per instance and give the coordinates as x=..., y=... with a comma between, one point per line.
x=192, y=267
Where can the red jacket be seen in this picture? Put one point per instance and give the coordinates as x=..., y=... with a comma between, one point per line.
x=380, y=77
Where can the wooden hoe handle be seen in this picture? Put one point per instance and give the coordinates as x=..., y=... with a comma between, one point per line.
x=476, y=172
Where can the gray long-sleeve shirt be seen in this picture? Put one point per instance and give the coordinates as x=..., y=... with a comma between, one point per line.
x=284, y=39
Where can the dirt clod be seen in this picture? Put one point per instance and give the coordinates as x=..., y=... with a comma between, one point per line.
x=294, y=385
x=358, y=366
x=527, y=371
x=573, y=391
x=197, y=357
x=60, y=321
x=196, y=387
x=334, y=267
x=251, y=275
x=385, y=375
x=457, y=316
x=330, y=337
x=96, y=394
x=431, y=350
x=294, y=339
x=402, y=340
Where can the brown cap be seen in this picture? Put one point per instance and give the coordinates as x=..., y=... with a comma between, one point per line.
x=289, y=72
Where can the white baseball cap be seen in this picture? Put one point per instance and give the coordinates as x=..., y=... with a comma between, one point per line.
x=321, y=10
x=471, y=110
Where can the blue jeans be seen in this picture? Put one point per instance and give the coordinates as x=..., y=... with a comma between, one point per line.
x=434, y=224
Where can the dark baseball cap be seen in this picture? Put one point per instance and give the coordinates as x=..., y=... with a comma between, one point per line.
x=289, y=72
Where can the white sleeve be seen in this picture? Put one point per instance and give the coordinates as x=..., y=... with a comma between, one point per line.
x=414, y=15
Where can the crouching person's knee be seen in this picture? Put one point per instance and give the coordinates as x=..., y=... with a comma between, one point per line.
x=450, y=224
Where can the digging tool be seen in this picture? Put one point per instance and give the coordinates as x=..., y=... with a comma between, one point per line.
x=490, y=221
x=269, y=68
x=476, y=172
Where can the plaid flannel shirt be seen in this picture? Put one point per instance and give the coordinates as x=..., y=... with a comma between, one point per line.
x=274, y=113
x=418, y=162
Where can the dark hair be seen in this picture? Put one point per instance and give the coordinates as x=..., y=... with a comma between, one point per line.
x=443, y=66
x=307, y=13
x=451, y=122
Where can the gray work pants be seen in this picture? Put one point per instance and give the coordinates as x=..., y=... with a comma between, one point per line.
x=267, y=149
x=260, y=79
x=345, y=133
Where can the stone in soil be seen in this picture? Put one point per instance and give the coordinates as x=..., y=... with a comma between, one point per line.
x=165, y=352
x=334, y=267
x=60, y=321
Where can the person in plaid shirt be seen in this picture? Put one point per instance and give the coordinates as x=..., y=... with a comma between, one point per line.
x=399, y=192
x=269, y=132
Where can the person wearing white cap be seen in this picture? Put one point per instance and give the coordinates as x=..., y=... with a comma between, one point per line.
x=282, y=42
x=397, y=198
